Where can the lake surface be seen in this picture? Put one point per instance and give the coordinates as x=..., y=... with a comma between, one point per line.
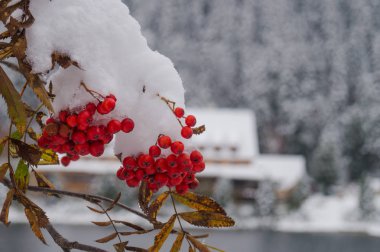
x=19, y=238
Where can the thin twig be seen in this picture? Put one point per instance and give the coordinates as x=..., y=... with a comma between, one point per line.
x=111, y=220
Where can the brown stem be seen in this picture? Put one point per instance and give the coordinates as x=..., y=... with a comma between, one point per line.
x=110, y=219
x=91, y=92
x=168, y=102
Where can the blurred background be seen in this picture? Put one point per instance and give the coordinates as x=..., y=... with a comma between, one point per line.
x=290, y=90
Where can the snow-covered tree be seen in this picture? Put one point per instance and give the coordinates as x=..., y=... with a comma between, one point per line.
x=265, y=199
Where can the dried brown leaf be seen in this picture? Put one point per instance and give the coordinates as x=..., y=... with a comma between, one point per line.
x=63, y=60
x=34, y=224
x=107, y=238
x=200, y=246
x=131, y=225
x=161, y=237
x=96, y=210
x=39, y=90
x=16, y=109
x=135, y=232
x=177, y=243
x=199, y=202
x=155, y=206
x=144, y=197
x=114, y=202
x=120, y=247
x=199, y=130
x=5, y=210
x=102, y=223
x=207, y=219
x=29, y=153
x=3, y=141
x=135, y=249
x=3, y=170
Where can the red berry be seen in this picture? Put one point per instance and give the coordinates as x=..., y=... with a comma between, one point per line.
x=79, y=137
x=84, y=117
x=190, y=120
x=179, y=112
x=153, y=187
x=161, y=179
x=189, y=178
x=50, y=120
x=113, y=126
x=172, y=161
x=71, y=120
x=140, y=174
x=65, y=161
x=154, y=151
x=120, y=174
x=174, y=172
x=164, y=142
x=108, y=105
x=82, y=149
x=94, y=133
x=133, y=182
x=182, y=188
x=62, y=115
x=175, y=181
x=161, y=165
x=185, y=162
x=150, y=170
x=68, y=147
x=112, y=97
x=101, y=109
x=194, y=184
x=91, y=108
x=199, y=167
x=196, y=157
x=74, y=157
x=82, y=126
x=177, y=147
x=129, y=162
x=145, y=161
x=97, y=148
x=107, y=138
x=127, y=125
x=43, y=142
x=186, y=132
x=64, y=130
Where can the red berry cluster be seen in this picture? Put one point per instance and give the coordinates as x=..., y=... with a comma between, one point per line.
x=190, y=121
x=75, y=133
x=175, y=170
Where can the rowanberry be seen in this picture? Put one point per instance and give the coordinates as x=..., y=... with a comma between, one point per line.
x=84, y=117
x=182, y=188
x=139, y=174
x=179, y=112
x=133, y=182
x=154, y=151
x=65, y=161
x=112, y=97
x=175, y=181
x=50, y=120
x=172, y=161
x=194, y=184
x=186, y=132
x=74, y=157
x=190, y=120
x=114, y=126
x=196, y=157
x=120, y=174
x=79, y=137
x=153, y=187
x=94, y=133
x=106, y=138
x=108, y=105
x=161, y=179
x=127, y=125
x=164, y=141
x=101, y=109
x=199, y=167
x=161, y=165
x=82, y=149
x=64, y=130
x=189, y=178
x=150, y=170
x=129, y=163
x=96, y=148
x=71, y=120
x=62, y=115
x=177, y=147
x=145, y=161
x=91, y=108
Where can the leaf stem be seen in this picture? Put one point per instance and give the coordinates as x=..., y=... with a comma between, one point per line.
x=111, y=220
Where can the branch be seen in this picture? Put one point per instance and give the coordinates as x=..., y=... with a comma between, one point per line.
x=57, y=237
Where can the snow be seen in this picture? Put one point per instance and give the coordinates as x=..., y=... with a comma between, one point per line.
x=114, y=57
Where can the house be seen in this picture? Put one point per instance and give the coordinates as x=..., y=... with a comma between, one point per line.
x=230, y=148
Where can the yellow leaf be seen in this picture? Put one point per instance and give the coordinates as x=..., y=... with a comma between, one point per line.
x=200, y=246
x=107, y=238
x=144, y=197
x=34, y=224
x=48, y=157
x=6, y=52
x=207, y=219
x=16, y=109
x=19, y=47
x=161, y=237
x=3, y=170
x=199, y=202
x=7, y=204
x=177, y=243
x=157, y=204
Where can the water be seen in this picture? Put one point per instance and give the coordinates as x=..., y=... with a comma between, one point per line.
x=18, y=238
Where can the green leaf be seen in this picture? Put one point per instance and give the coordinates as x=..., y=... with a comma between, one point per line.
x=207, y=219
x=22, y=175
x=199, y=202
x=16, y=109
x=161, y=237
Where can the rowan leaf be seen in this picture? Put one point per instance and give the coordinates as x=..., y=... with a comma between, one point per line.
x=16, y=109
x=135, y=249
x=207, y=219
x=157, y=204
x=102, y=223
x=42, y=181
x=107, y=238
x=63, y=60
x=145, y=194
x=161, y=237
x=5, y=210
x=34, y=224
x=199, y=202
x=22, y=175
x=6, y=53
x=3, y=170
x=197, y=244
x=120, y=247
x=114, y=202
x=48, y=157
x=3, y=141
x=191, y=249
x=19, y=47
x=135, y=232
x=29, y=153
x=96, y=210
x=32, y=134
x=128, y=224
x=39, y=90
x=177, y=243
